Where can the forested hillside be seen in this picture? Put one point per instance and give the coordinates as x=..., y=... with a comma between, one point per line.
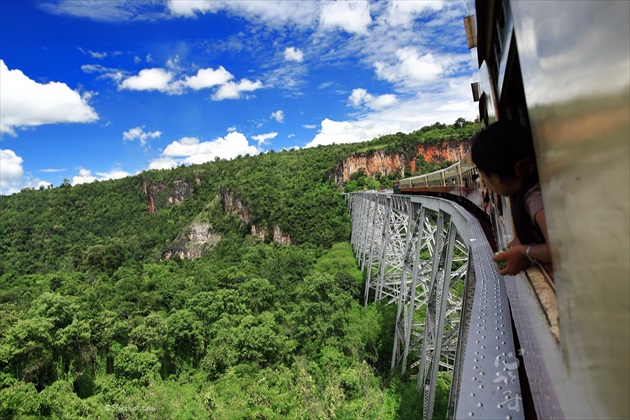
x=96, y=321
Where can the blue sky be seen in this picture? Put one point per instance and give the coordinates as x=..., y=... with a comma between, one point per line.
x=97, y=89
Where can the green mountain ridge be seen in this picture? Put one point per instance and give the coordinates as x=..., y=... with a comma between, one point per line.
x=96, y=323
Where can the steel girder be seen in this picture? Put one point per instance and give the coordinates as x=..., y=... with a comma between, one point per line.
x=417, y=252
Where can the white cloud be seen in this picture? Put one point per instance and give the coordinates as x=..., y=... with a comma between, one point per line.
x=52, y=170
x=278, y=115
x=360, y=97
x=309, y=126
x=138, y=133
x=99, y=55
x=152, y=79
x=411, y=68
x=403, y=12
x=24, y=102
x=11, y=171
x=264, y=138
x=293, y=54
x=273, y=13
x=107, y=11
x=207, y=78
x=85, y=176
x=444, y=105
x=105, y=72
x=190, y=150
x=350, y=16
x=163, y=163
x=164, y=81
x=233, y=90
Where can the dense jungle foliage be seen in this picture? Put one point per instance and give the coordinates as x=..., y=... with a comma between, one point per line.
x=96, y=323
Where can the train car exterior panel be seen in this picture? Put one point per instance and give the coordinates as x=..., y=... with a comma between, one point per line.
x=564, y=71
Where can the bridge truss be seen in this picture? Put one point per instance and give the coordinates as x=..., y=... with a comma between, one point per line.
x=420, y=253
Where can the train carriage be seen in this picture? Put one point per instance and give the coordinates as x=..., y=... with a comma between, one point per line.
x=562, y=69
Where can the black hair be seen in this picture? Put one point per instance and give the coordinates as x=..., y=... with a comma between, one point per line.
x=496, y=150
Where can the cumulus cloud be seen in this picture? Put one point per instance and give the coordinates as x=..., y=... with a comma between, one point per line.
x=85, y=176
x=26, y=103
x=293, y=54
x=233, y=90
x=151, y=79
x=361, y=97
x=406, y=115
x=411, y=68
x=350, y=16
x=11, y=171
x=264, y=138
x=163, y=80
x=189, y=150
x=12, y=175
x=139, y=134
x=278, y=115
x=207, y=78
x=164, y=162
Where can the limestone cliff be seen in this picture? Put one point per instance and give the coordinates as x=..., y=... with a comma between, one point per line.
x=196, y=240
x=234, y=205
x=162, y=195
x=388, y=163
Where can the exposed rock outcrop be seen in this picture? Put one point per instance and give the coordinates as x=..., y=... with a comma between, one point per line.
x=233, y=205
x=377, y=161
x=161, y=195
x=196, y=240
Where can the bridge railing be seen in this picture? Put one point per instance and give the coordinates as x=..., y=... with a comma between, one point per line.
x=430, y=257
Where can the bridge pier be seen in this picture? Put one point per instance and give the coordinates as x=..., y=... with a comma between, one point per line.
x=424, y=254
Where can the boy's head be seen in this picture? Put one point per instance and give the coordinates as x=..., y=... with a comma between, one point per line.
x=504, y=154
x=498, y=148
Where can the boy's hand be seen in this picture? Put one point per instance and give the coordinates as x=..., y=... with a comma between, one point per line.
x=511, y=261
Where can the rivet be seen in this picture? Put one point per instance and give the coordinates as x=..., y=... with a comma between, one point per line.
x=481, y=373
x=475, y=360
x=479, y=405
x=497, y=348
x=483, y=347
x=471, y=414
x=480, y=386
x=472, y=394
x=499, y=387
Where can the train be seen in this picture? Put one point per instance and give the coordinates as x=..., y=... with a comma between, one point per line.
x=562, y=69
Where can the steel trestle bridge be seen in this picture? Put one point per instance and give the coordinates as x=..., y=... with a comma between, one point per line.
x=430, y=257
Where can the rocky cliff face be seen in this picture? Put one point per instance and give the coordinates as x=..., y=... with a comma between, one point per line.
x=196, y=240
x=161, y=195
x=377, y=161
x=233, y=205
